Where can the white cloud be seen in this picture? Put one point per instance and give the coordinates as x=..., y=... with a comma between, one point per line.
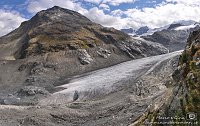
x=94, y=1
x=117, y=12
x=110, y=2
x=100, y=17
x=117, y=2
x=104, y=7
x=9, y=20
x=35, y=6
x=163, y=14
x=186, y=2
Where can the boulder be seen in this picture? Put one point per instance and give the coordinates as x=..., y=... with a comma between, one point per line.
x=11, y=100
x=32, y=90
x=103, y=52
x=84, y=57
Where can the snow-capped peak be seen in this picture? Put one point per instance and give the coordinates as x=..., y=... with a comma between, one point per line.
x=185, y=27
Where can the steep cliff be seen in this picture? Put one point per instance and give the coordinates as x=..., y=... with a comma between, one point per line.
x=187, y=80
x=183, y=104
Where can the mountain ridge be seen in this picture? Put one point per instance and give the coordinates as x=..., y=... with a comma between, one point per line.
x=145, y=30
x=58, y=43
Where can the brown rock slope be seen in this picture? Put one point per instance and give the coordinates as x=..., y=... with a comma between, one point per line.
x=58, y=43
x=183, y=105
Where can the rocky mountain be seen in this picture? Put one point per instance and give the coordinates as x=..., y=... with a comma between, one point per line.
x=178, y=26
x=174, y=38
x=59, y=43
x=128, y=30
x=175, y=25
x=142, y=30
x=54, y=30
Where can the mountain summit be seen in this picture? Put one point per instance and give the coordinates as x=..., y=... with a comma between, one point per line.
x=57, y=43
x=56, y=29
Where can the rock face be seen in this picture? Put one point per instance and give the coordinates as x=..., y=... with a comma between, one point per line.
x=58, y=43
x=173, y=26
x=172, y=39
x=187, y=79
x=84, y=57
x=31, y=90
x=142, y=30
x=185, y=99
x=142, y=48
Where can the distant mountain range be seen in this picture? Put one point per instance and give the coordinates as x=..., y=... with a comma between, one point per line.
x=145, y=30
x=173, y=36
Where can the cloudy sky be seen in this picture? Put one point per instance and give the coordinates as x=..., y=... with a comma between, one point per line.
x=111, y=13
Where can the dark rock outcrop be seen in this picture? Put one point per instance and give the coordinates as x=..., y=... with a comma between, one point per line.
x=128, y=30
x=184, y=100
x=31, y=91
x=142, y=30
x=173, y=26
x=187, y=81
